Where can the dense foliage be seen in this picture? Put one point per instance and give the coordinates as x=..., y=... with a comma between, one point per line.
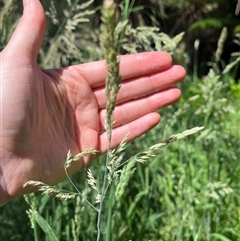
x=191, y=190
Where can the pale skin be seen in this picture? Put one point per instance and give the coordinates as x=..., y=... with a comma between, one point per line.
x=45, y=113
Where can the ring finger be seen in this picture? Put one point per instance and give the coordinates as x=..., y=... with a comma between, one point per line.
x=132, y=110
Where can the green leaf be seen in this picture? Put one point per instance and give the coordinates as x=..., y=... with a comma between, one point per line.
x=45, y=226
x=220, y=237
x=237, y=29
x=203, y=24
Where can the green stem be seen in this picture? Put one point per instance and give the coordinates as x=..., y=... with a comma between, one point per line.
x=109, y=217
x=103, y=192
x=75, y=187
x=35, y=230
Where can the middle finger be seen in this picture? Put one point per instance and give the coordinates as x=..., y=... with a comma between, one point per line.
x=145, y=85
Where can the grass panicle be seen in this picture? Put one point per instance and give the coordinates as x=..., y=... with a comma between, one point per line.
x=113, y=79
x=126, y=173
x=220, y=47
x=51, y=191
x=112, y=86
x=141, y=157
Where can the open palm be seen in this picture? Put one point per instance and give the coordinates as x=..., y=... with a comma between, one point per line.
x=45, y=113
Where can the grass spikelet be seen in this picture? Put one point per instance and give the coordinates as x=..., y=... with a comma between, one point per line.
x=219, y=51
x=91, y=180
x=98, y=198
x=70, y=158
x=85, y=5
x=114, y=156
x=52, y=13
x=220, y=46
x=122, y=145
x=49, y=190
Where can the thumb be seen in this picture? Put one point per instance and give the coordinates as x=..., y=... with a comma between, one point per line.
x=28, y=36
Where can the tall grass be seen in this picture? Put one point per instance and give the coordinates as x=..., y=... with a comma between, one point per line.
x=188, y=190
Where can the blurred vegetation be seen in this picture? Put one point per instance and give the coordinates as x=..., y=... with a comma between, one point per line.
x=191, y=190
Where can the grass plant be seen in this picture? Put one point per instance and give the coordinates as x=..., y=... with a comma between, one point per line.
x=188, y=190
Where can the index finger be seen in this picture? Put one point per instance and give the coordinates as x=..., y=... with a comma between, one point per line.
x=133, y=65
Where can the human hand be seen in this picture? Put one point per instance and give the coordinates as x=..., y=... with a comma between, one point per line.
x=45, y=113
